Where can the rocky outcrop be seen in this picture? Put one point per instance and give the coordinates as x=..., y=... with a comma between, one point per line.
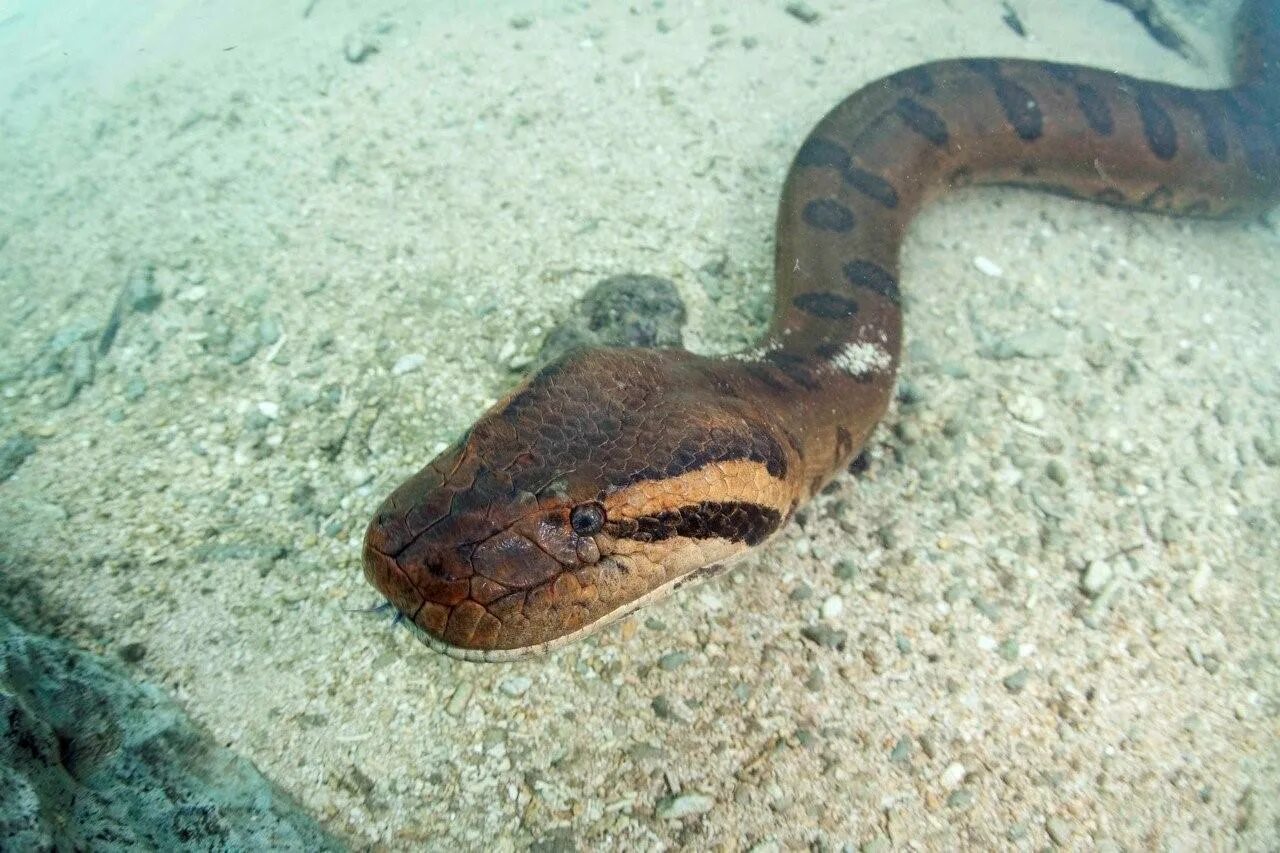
x=90, y=760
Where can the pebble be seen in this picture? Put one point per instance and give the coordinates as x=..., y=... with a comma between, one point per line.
x=1041, y=342
x=802, y=11
x=832, y=607
x=672, y=661
x=521, y=22
x=845, y=569
x=961, y=798
x=684, y=805
x=953, y=775
x=408, y=363
x=516, y=685
x=1196, y=589
x=1029, y=410
x=1017, y=681
x=1056, y=471
x=458, y=701
x=986, y=266
x=901, y=752
x=244, y=346
x=1059, y=831
x=1096, y=576
x=824, y=635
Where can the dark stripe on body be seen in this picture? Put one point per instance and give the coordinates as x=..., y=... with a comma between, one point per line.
x=1020, y=109
x=736, y=521
x=828, y=306
x=827, y=214
x=917, y=80
x=923, y=121
x=873, y=277
x=1157, y=126
x=798, y=370
x=1095, y=109
x=709, y=447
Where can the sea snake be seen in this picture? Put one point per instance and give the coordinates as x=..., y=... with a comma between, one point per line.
x=611, y=477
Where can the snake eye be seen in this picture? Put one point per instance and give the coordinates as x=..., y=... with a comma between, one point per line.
x=587, y=519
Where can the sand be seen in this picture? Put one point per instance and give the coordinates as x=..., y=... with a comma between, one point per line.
x=1046, y=614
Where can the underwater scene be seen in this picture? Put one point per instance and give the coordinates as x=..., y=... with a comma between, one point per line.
x=835, y=425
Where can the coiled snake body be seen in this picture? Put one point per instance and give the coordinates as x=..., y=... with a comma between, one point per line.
x=611, y=477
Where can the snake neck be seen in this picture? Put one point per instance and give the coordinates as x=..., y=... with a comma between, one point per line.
x=831, y=354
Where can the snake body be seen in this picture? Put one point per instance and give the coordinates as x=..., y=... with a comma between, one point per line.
x=613, y=476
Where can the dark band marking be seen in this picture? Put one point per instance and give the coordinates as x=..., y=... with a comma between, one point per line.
x=1095, y=109
x=871, y=185
x=827, y=214
x=1157, y=126
x=820, y=153
x=1020, y=109
x=1215, y=131
x=1065, y=73
x=985, y=67
x=917, y=80
x=828, y=306
x=736, y=521
x=798, y=370
x=923, y=121
x=709, y=447
x=766, y=378
x=873, y=277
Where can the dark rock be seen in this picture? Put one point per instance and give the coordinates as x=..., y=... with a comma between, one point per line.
x=13, y=453
x=90, y=760
x=621, y=311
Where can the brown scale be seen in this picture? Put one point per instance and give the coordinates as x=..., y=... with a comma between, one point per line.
x=614, y=476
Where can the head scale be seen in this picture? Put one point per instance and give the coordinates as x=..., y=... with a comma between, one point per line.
x=593, y=488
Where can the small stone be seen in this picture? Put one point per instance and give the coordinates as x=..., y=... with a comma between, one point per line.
x=986, y=266
x=270, y=330
x=1056, y=471
x=132, y=652
x=1196, y=589
x=824, y=635
x=953, y=775
x=1059, y=831
x=1017, y=681
x=1029, y=410
x=832, y=607
x=1096, y=577
x=901, y=752
x=672, y=661
x=802, y=11
x=243, y=346
x=408, y=363
x=663, y=708
x=458, y=701
x=961, y=798
x=845, y=569
x=521, y=22
x=516, y=685
x=684, y=805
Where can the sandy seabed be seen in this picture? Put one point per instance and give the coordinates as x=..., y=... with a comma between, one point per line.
x=1051, y=606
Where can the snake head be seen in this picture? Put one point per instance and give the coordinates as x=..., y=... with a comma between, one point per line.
x=593, y=488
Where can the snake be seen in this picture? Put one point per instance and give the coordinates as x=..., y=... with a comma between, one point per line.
x=611, y=477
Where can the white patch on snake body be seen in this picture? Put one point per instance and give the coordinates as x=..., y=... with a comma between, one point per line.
x=756, y=353
x=859, y=359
